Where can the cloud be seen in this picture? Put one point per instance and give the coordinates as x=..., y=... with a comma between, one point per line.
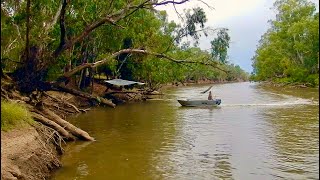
x=247, y=21
x=245, y=28
x=223, y=9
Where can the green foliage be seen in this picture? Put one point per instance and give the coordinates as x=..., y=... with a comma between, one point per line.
x=220, y=45
x=146, y=28
x=289, y=50
x=14, y=115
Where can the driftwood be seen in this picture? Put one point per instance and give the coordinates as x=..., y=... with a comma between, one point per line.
x=40, y=118
x=40, y=113
x=86, y=95
x=64, y=102
x=68, y=126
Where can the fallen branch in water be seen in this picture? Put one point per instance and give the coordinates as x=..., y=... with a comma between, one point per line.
x=68, y=126
x=40, y=118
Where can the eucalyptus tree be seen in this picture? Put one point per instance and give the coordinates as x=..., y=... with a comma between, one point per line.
x=59, y=30
x=288, y=51
x=220, y=45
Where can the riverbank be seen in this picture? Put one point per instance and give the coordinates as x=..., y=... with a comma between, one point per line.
x=28, y=153
x=31, y=153
x=287, y=84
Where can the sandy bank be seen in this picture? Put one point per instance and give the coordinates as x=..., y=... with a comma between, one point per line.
x=28, y=153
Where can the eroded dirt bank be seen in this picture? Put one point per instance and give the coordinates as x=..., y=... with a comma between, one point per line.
x=29, y=153
x=33, y=152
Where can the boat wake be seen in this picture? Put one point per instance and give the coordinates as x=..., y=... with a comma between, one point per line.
x=285, y=103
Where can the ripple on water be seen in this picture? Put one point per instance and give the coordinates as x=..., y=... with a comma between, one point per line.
x=256, y=133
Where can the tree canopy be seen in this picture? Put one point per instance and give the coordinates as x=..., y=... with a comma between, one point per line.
x=289, y=51
x=47, y=40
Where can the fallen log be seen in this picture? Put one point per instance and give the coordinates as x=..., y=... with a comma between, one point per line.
x=85, y=95
x=68, y=126
x=40, y=118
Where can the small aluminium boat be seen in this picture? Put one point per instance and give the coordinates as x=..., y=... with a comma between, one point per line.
x=194, y=103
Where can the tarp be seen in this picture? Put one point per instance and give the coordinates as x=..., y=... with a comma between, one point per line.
x=121, y=82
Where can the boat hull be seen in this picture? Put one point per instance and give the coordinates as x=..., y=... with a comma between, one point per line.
x=195, y=103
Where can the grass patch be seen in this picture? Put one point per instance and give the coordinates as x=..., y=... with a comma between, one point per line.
x=14, y=115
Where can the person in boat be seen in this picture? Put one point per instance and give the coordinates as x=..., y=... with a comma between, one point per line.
x=210, y=96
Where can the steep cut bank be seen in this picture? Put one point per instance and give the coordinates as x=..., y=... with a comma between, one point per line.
x=29, y=153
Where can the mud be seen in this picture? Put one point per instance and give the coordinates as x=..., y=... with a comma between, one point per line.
x=28, y=153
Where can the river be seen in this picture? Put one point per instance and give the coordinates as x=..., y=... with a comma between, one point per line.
x=258, y=132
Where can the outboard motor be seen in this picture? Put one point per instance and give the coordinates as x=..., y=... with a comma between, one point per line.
x=218, y=101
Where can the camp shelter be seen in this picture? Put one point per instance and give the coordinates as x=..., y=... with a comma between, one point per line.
x=121, y=83
x=117, y=90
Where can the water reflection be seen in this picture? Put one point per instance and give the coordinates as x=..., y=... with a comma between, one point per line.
x=295, y=142
x=257, y=133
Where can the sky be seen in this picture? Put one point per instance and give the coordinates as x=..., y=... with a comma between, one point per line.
x=247, y=21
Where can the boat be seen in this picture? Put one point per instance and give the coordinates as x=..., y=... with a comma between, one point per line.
x=195, y=103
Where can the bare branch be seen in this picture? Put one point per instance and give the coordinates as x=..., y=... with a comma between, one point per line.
x=8, y=48
x=54, y=20
x=212, y=8
x=111, y=19
x=136, y=51
x=136, y=8
x=179, y=15
x=170, y=2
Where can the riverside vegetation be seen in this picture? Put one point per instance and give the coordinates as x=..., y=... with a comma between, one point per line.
x=52, y=50
x=288, y=53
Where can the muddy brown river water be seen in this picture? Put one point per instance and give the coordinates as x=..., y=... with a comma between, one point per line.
x=258, y=132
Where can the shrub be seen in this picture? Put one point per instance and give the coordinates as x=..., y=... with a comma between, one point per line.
x=313, y=79
x=14, y=115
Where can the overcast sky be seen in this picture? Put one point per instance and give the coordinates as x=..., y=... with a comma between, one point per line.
x=247, y=21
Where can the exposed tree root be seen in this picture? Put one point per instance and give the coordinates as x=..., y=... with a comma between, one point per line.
x=51, y=135
x=41, y=112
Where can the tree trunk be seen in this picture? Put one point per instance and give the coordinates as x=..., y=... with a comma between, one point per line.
x=40, y=118
x=31, y=75
x=27, y=30
x=68, y=126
